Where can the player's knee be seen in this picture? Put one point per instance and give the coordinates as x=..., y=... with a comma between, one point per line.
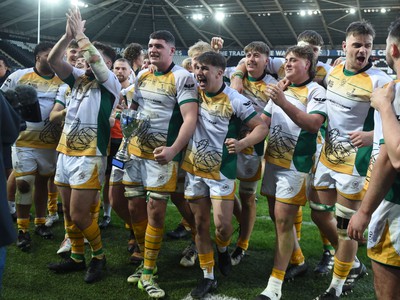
x=343, y=216
x=159, y=196
x=134, y=192
x=248, y=187
x=25, y=188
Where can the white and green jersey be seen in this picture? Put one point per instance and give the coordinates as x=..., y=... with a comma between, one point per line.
x=44, y=134
x=348, y=107
x=159, y=96
x=63, y=95
x=220, y=117
x=86, y=129
x=254, y=90
x=289, y=146
x=394, y=193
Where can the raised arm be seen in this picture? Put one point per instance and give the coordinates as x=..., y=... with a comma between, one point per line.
x=56, y=55
x=90, y=53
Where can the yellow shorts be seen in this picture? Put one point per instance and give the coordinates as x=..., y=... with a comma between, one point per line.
x=285, y=185
x=384, y=234
x=151, y=175
x=198, y=187
x=248, y=167
x=349, y=186
x=33, y=160
x=116, y=175
x=81, y=172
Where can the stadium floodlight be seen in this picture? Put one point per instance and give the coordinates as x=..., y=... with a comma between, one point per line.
x=302, y=13
x=352, y=11
x=383, y=10
x=219, y=16
x=78, y=3
x=198, y=16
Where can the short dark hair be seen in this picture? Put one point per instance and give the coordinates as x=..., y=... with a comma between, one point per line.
x=42, y=46
x=132, y=52
x=212, y=58
x=307, y=53
x=5, y=61
x=394, y=30
x=312, y=37
x=73, y=44
x=122, y=60
x=163, y=35
x=107, y=50
x=259, y=47
x=360, y=27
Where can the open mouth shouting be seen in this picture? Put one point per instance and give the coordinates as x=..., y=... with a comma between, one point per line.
x=202, y=80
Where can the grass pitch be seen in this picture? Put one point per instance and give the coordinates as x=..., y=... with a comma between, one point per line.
x=27, y=277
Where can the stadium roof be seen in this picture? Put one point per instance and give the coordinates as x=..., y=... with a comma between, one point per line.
x=277, y=22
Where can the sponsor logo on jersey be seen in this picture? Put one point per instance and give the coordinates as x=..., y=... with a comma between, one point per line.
x=189, y=86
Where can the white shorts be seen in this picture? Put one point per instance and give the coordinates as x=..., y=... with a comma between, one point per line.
x=285, y=185
x=116, y=175
x=198, y=187
x=33, y=160
x=349, y=186
x=248, y=167
x=384, y=234
x=151, y=175
x=81, y=172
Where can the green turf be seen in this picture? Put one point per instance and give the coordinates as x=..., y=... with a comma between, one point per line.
x=27, y=277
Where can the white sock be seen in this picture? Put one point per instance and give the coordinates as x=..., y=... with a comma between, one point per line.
x=208, y=275
x=337, y=284
x=274, y=288
x=356, y=263
x=107, y=209
x=11, y=207
x=222, y=249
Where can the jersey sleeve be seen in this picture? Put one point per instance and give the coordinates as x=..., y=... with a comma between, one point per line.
x=186, y=89
x=112, y=85
x=268, y=109
x=243, y=107
x=317, y=101
x=62, y=93
x=12, y=81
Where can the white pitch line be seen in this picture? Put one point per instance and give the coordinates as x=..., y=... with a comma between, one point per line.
x=212, y=297
x=269, y=218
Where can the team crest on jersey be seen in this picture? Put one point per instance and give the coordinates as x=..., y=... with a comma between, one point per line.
x=355, y=185
x=224, y=188
x=343, y=82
